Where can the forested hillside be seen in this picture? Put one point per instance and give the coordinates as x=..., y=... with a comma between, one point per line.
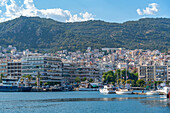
x=47, y=34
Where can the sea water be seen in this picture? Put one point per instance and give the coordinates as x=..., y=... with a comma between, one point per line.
x=81, y=102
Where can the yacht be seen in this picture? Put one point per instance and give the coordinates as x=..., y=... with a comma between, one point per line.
x=164, y=90
x=107, y=90
x=152, y=93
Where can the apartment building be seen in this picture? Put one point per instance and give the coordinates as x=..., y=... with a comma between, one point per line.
x=14, y=68
x=88, y=72
x=69, y=72
x=168, y=72
x=50, y=68
x=153, y=73
x=168, y=64
x=3, y=66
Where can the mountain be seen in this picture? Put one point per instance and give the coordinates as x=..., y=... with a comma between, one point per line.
x=47, y=34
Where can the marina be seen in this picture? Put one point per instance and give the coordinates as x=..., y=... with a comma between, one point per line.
x=81, y=101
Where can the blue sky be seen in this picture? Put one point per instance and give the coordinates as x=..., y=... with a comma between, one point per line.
x=83, y=10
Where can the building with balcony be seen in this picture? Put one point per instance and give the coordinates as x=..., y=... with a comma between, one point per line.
x=14, y=69
x=3, y=66
x=50, y=68
x=89, y=73
x=71, y=71
x=153, y=73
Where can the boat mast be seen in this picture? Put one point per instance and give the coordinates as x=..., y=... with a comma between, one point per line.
x=126, y=74
x=121, y=77
x=117, y=78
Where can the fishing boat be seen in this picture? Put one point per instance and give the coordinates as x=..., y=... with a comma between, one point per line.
x=107, y=90
x=12, y=85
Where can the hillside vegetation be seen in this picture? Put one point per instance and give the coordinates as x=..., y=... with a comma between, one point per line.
x=41, y=34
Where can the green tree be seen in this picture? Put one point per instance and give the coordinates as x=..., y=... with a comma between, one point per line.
x=159, y=82
x=45, y=84
x=91, y=80
x=84, y=79
x=77, y=79
x=140, y=83
x=29, y=77
x=128, y=81
x=133, y=83
x=109, y=77
x=168, y=82
x=122, y=76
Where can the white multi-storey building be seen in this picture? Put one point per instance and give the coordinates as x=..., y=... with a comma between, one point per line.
x=153, y=73
x=50, y=68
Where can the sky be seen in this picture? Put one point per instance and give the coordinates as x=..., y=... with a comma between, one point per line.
x=84, y=10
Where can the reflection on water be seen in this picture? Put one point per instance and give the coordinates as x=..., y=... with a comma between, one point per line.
x=34, y=106
x=52, y=102
x=157, y=103
x=80, y=99
x=76, y=102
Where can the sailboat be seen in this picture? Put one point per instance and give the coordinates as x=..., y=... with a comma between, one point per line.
x=125, y=90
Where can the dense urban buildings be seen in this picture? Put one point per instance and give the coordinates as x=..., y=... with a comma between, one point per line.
x=64, y=66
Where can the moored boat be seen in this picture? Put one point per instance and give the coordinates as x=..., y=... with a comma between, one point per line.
x=124, y=91
x=164, y=90
x=107, y=90
x=12, y=85
x=152, y=93
x=85, y=86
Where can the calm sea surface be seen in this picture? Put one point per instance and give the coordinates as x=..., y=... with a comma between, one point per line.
x=81, y=102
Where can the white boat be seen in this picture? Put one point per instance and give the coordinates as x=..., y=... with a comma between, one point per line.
x=152, y=93
x=124, y=91
x=107, y=90
x=164, y=90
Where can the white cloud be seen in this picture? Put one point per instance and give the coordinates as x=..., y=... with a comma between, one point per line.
x=28, y=9
x=150, y=10
x=3, y=2
x=0, y=11
x=139, y=12
x=81, y=17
